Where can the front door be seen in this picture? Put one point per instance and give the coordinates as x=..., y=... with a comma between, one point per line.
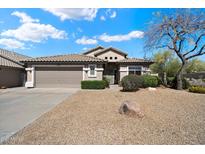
x=115, y=76
x=111, y=72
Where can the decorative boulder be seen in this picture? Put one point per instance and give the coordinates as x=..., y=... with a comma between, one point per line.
x=131, y=108
x=151, y=89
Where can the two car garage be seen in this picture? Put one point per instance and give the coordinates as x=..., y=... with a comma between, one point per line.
x=66, y=77
x=59, y=71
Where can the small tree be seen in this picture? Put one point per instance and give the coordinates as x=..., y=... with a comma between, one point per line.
x=182, y=32
x=195, y=65
x=172, y=67
x=161, y=59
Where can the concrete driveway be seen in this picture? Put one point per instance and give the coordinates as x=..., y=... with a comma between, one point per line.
x=21, y=106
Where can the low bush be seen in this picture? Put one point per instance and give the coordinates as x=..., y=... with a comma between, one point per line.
x=173, y=83
x=134, y=82
x=150, y=81
x=93, y=84
x=197, y=89
x=131, y=82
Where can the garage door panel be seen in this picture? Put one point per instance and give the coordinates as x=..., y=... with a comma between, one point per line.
x=58, y=76
x=10, y=77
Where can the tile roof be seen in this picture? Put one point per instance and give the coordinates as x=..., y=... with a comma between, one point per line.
x=8, y=63
x=65, y=58
x=93, y=49
x=135, y=60
x=110, y=48
x=11, y=59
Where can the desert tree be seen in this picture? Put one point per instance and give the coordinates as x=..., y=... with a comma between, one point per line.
x=161, y=60
x=182, y=32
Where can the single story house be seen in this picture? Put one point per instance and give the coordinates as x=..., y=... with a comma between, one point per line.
x=12, y=71
x=69, y=70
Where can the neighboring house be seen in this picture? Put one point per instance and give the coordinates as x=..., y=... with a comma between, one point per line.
x=195, y=75
x=69, y=70
x=12, y=71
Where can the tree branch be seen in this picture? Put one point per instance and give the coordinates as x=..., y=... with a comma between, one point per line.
x=199, y=53
x=180, y=44
x=196, y=45
x=164, y=46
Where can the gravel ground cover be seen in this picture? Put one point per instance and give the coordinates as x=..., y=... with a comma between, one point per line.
x=91, y=117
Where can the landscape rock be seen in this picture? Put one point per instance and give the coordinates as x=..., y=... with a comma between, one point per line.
x=131, y=108
x=152, y=89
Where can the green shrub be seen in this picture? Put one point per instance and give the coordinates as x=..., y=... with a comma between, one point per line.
x=197, y=89
x=93, y=84
x=131, y=82
x=134, y=82
x=107, y=82
x=150, y=81
x=170, y=81
x=185, y=83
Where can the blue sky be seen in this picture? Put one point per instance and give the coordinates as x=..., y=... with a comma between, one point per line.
x=42, y=32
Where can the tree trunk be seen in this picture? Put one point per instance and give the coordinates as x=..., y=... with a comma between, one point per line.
x=180, y=76
x=165, y=78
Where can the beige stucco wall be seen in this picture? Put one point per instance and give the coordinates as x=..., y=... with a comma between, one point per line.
x=123, y=71
x=112, y=54
x=99, y=76
x=122, y=74
x=99, y=73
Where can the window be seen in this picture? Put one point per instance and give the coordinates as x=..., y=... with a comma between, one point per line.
x=135, y=70
x=105, y=57
x=110, y=58
x=115, y=57
x=92, y=70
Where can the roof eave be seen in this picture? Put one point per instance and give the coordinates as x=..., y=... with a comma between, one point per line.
x=126, y=62
x=93, y=49
x=64, y=62
x=106, y=49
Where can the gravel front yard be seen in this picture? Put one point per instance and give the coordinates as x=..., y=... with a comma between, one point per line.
x=91, y=117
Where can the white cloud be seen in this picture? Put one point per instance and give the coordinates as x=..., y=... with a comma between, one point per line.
x=11, y=43
x=75, y=14
x=85, y=41
x=113, y=15
x=85, y=48
x=32, y=30
x=24, y=18
x=110, y=13
x=118, y=38
x=102, y=18
x=107, y=12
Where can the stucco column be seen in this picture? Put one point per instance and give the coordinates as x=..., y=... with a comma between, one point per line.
x=30, y=77
x=123, y=71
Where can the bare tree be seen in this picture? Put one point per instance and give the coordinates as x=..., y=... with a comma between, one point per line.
x=182, y=32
